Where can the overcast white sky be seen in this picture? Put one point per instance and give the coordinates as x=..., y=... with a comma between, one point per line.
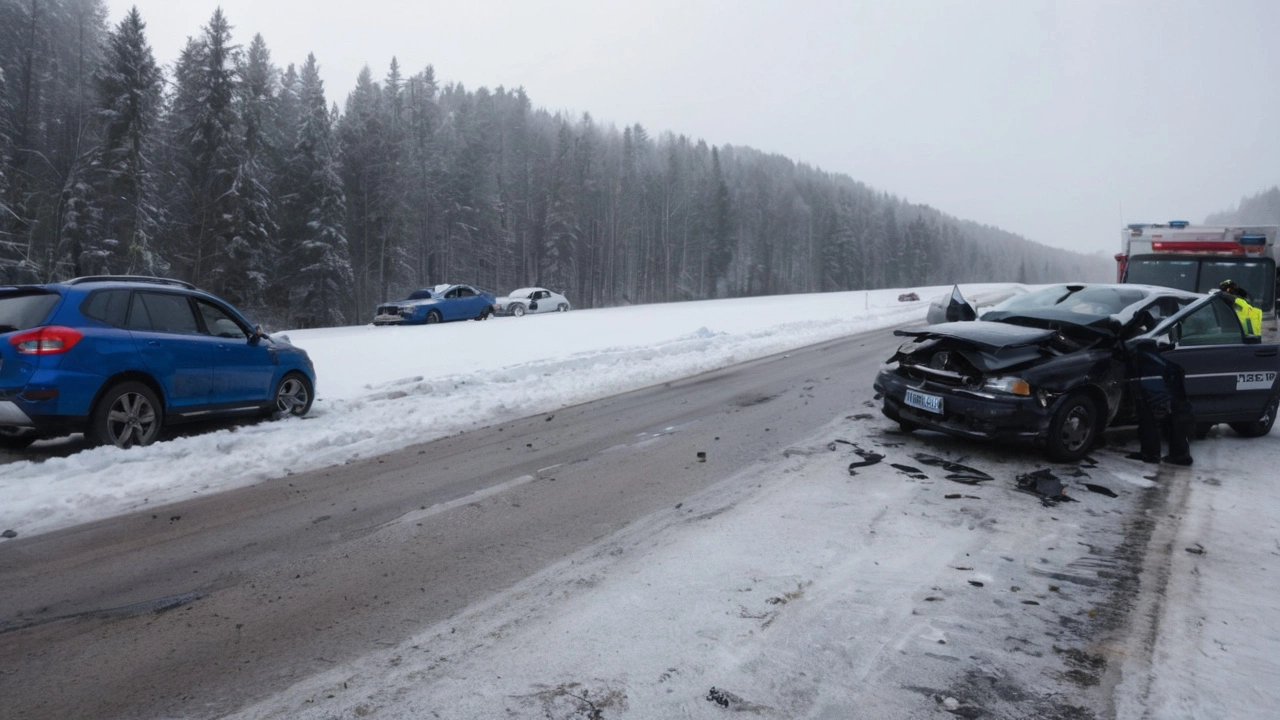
x=1056, y=120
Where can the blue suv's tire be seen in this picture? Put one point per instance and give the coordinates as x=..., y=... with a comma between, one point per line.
x=128, y=414
x=293, y=396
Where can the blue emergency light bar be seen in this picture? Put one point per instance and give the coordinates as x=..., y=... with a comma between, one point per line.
x=1254, y=240
x=1178, y=223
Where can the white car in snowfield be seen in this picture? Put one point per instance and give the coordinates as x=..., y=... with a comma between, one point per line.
x=530, y=300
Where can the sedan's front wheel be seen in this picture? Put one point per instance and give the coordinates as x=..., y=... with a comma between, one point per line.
x=1073, y=430
x=128, y=414
x=517, y=310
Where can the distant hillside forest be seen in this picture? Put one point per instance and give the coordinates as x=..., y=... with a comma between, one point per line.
x=1260, y=209
x=242, y=178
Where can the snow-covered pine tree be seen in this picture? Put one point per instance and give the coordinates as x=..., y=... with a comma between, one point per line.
x=127, y=203
x=250, y=248
x=208, y=155
x=324, y=277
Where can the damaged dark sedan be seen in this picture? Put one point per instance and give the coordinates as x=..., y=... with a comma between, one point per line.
x=1048, y=366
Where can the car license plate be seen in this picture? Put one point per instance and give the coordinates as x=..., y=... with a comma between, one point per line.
x=928, y=403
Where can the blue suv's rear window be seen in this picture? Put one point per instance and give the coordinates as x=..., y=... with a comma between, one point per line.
x=22, y=309
x=109, y=306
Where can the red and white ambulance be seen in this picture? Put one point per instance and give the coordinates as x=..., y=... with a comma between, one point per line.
x=1180, y=255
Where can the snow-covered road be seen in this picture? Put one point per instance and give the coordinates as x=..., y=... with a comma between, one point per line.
x=795, y=589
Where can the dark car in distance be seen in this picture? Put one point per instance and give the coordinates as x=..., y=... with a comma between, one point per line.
x=1048, y=366
x=120, y=358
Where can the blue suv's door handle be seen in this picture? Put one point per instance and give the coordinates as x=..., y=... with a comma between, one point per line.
x=153, y=343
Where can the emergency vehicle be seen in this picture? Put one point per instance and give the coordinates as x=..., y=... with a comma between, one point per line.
x=1198, y=258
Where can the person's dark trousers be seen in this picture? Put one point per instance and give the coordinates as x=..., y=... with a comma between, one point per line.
x=1179, y=426
x=1148, y=430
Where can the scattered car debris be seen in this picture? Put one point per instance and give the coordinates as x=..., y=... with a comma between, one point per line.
x=702, y=456
x=1044, y=483
x=956, y=472
x=976, y=583
x=8, y=534
x=1197, y=550
x=910, y=471
x=868, y=458
x=861, y=416
x=724, y=698
x=1101, y=490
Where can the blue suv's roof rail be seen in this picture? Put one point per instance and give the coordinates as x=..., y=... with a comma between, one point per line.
x=131, y=278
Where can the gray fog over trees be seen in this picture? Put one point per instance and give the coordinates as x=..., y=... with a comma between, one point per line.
x=1260, y=209
x=241, y=177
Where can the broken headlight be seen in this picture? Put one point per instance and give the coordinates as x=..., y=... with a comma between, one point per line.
x=1007, y=385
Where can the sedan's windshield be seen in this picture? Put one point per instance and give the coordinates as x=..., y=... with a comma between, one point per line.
x=1076, y=304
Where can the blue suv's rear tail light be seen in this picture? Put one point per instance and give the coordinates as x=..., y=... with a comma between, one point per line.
x=49, y=340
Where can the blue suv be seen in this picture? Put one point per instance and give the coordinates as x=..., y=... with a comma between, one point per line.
x=119, y=358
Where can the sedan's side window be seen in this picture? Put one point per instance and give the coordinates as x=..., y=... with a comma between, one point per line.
x=465, y=292
x=217, y=322
x=1213, y=324
x=162, y=312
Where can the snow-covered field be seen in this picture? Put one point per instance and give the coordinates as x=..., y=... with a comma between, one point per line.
x=796, y=589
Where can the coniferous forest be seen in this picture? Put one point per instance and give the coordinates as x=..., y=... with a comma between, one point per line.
x=234, y=171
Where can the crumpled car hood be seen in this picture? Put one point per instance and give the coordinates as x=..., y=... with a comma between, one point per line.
x=983, y=335
x=988, y=347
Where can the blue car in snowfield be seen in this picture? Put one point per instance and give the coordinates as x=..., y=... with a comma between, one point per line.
x=119, y=358
x=441, y=303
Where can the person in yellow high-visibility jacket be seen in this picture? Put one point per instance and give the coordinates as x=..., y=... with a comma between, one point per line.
x=1250, y=316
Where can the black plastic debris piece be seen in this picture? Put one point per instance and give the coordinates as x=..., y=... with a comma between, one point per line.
x=1101, y=490
x=868, y=458
x=1078, y=473
x=1197, y=550
x=1044, y=483
x=702, y=456
x=910, y=471
x=1030, y=602
x=976, y=583
x=861, y=416
x=1088, y=462
x=956, y=472
x=952, y=496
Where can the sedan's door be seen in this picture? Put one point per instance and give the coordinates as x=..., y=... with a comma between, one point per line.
x=1227, y=378
x=541, y=302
